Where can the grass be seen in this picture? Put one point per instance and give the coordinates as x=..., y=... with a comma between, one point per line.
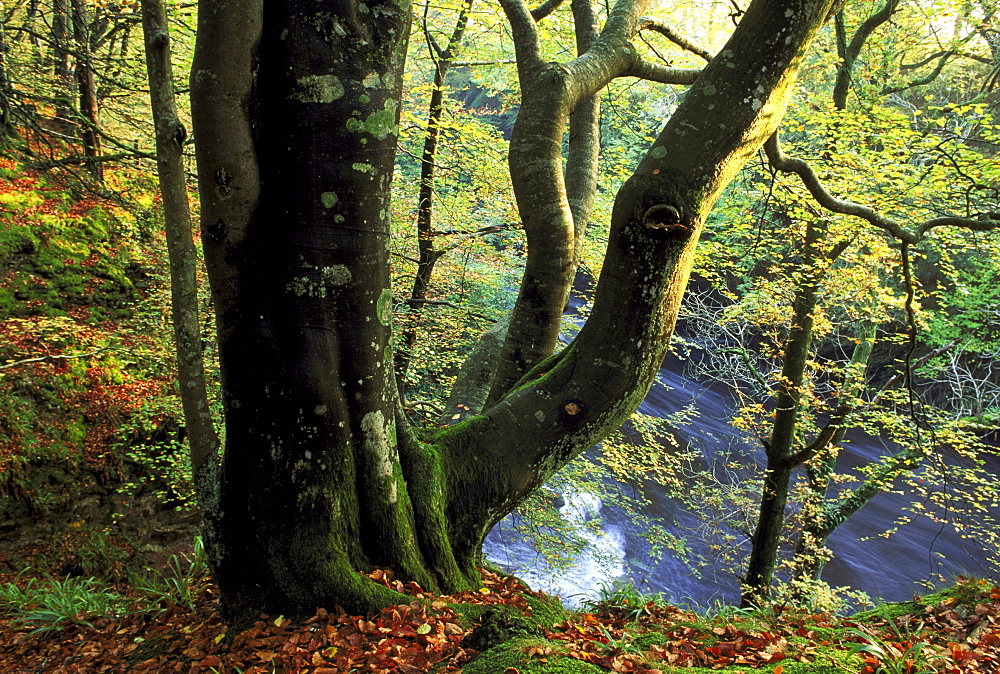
x=51, y=604
x=180, y=584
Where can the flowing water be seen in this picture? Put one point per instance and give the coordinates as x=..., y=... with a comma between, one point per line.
x=886, y=568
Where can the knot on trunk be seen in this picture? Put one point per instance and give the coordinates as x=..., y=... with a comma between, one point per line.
x=572, y=411
x=663, y=216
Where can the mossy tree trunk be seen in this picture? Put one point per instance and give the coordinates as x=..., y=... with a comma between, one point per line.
x=295, y=107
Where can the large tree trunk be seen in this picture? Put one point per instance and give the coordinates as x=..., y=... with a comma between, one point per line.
x=313, y=487
x=295, y=121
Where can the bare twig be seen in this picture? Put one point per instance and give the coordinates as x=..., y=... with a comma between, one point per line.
x=79, y=160
x=42, y=359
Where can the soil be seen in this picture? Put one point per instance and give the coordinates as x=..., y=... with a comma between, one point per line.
x=95, y=531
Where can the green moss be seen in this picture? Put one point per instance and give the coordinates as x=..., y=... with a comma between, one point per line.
x=499, y=624
x=787, y=667
x=645, y=641
x=59, y=256
x=965, y=593
x=546, y=611
x=469, y=614
x=514, y=654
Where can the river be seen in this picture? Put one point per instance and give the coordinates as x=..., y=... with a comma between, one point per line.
x=888, y=568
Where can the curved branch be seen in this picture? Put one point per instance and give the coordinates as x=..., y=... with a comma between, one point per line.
x=527, y=46
x=868, y=27
x=848, y=51
x=921, y=81
x=544, y=9
x=672, y=34
x=782, y=162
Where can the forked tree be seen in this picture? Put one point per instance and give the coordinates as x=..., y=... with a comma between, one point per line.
x=295, y=108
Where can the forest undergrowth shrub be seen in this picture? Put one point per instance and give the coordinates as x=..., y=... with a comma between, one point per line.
x=59, y=255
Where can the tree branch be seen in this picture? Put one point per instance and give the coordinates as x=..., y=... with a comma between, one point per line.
x=845, y=410
x=42, y=359
x=782, y=162
x=655, y=72
x=527, y=46
x=544, y=9
x=77, y=161
x=848, y=51
x=672, y=34
x=919, y=82
x=456, y=244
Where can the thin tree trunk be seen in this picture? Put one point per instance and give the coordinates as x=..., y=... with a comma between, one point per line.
x=61, y=26
x=7, y=129
x=584, y=145
x=87, y=86
x=779, y=450
x=809, y=558
x=428, y=255
x=183, y=256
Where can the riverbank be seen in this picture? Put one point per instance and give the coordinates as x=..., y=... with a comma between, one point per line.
x=77, y=626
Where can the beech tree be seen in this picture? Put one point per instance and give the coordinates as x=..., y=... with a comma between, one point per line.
x=321, y=476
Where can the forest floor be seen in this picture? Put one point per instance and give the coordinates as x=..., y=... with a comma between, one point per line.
x=177, y=628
